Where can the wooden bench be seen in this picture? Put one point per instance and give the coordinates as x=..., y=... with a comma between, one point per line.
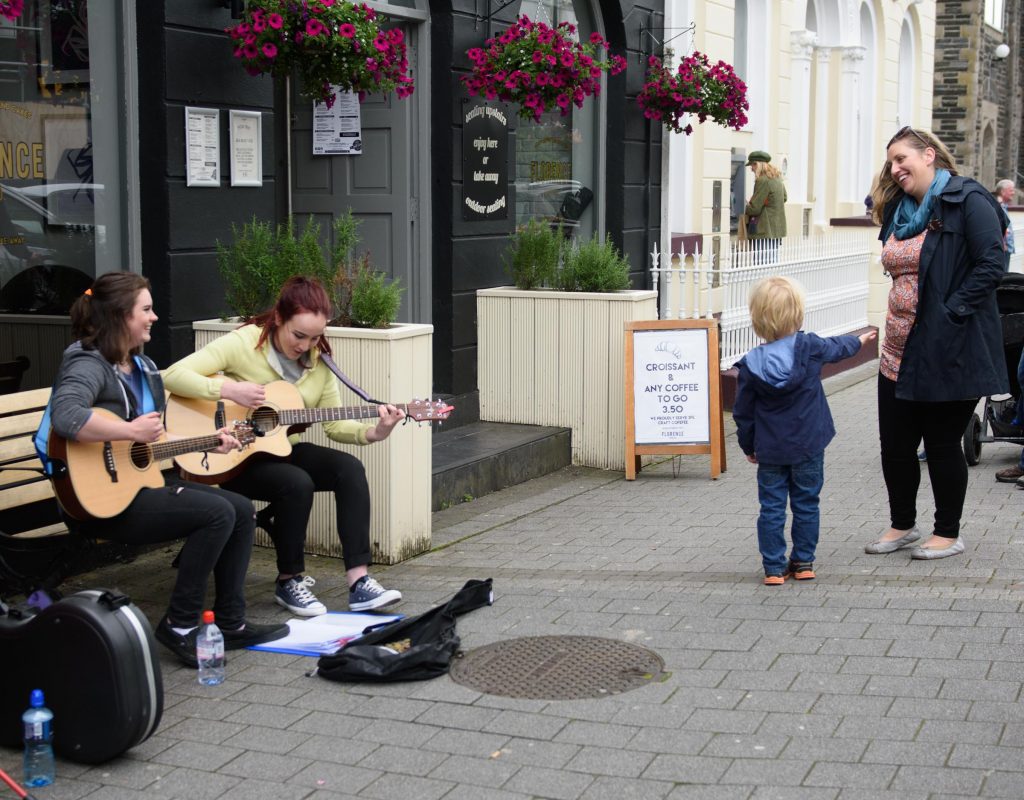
x=37, y=548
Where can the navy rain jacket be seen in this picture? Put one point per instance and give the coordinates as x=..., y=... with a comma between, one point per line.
x=781, y=413
x=955, y=349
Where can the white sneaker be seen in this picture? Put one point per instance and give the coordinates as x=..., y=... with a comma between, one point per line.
x=366, y=594
x=295, y=595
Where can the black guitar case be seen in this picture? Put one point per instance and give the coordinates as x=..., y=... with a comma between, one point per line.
x=94, y=657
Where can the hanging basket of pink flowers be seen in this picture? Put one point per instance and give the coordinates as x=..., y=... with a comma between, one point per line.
x=11, y=9
x=695, y=87
x=539, y=67
x=326, y=42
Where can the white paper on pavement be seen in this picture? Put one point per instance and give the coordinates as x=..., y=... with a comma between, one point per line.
x=323, y=635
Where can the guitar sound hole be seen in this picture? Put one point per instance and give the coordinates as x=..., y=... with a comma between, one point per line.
x=265, y=419
x=141, y=455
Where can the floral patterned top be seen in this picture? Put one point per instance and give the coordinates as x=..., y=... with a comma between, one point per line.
x=901, y=260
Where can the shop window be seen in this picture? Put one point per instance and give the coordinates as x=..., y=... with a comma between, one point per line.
x=60, y=155
x=555, y=158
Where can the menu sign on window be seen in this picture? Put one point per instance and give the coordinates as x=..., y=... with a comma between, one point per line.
x=484, y=162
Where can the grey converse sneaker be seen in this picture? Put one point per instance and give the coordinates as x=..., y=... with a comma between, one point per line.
x=366, y=594
x=294, y=594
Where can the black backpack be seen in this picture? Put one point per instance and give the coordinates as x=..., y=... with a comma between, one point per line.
x=412, y=649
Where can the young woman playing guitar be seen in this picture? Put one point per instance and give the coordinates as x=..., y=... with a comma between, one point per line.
x=285, y=343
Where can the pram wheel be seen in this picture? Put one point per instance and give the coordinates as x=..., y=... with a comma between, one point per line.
x=972, y=441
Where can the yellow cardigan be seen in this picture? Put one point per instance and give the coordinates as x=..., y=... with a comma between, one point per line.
x=236, y=356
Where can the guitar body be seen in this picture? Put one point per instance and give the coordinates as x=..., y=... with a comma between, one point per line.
x=186, y=416
x=102, y=478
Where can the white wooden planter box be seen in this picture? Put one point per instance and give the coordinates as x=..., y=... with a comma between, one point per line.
x=394, y=365
x=556, y=358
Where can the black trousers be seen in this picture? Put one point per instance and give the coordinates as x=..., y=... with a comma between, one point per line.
x=218, y=528
x=902, y=424
x=288, y=487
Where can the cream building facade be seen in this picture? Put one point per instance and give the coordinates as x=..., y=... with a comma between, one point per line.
x=829, y=82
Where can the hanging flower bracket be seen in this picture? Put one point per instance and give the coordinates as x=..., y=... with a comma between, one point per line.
x=326, y=42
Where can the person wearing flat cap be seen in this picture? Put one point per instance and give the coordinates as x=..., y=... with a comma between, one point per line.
x=767, y=206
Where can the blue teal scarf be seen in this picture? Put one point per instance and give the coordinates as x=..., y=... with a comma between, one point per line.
x=910, y=218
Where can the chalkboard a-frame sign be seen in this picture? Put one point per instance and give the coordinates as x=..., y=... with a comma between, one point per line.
x=484, y=161
x=673, y=392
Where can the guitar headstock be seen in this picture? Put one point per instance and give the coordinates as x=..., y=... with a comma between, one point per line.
x=428, y=410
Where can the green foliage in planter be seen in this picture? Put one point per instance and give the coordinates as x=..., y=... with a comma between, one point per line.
x=593, y=266
x=261, y=257
x=364, y=297
x=533, y=254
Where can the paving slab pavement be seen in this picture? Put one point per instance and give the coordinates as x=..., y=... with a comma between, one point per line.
x=884, y=678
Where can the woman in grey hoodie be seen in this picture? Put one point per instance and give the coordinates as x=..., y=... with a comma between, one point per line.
x=105, y=369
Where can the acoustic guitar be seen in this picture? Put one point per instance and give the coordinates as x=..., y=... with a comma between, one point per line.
x=100, y=479
x=282, y=413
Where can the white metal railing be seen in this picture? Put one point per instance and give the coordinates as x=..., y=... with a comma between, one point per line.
x=833, y=269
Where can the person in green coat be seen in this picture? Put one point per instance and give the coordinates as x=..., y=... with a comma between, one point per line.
x=767, y=204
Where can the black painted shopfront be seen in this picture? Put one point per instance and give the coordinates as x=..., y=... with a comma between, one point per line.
x=94, y=170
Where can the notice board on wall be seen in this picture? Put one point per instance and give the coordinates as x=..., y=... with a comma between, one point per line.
x=673, y=392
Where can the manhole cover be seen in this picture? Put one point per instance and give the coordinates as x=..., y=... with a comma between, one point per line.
x=557, y=667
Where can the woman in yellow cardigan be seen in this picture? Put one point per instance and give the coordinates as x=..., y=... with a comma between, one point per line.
x=284, y=343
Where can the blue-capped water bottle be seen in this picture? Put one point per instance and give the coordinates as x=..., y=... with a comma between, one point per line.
x=38, y=726
x=210, y=651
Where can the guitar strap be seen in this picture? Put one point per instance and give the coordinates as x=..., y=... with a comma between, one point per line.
x=329, y=362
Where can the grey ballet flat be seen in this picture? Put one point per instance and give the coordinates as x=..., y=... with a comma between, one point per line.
x=905, y=540
x=934, y=552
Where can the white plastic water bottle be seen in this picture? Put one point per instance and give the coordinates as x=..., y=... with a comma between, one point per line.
x=210, y=652
x=38, y=725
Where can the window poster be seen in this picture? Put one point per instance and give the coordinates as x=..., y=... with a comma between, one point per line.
x=202, y=146
x=245, y=138
x=337, y=131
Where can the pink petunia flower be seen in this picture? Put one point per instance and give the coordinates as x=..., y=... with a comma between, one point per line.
x=275, y=21
x=270, y=50
x=347, y=29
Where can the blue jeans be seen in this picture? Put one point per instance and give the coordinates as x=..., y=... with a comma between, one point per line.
x=801, y=483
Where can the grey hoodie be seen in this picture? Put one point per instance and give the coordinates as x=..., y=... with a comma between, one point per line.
x=87, y=380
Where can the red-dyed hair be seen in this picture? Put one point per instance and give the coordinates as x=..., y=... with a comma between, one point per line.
x=298, y=295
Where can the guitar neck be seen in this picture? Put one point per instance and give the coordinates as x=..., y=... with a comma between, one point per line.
x=178, y=447
x=305, y=416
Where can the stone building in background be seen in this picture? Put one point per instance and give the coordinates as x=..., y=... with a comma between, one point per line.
x=978, y=106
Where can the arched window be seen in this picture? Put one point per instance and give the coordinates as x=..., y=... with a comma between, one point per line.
x=866, y=122
x=905, y=86
x=811, y=17
x=557, y=159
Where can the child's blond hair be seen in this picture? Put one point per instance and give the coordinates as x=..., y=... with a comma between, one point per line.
x=776, y=307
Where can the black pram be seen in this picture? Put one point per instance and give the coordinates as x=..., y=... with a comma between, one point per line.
x=998, y=415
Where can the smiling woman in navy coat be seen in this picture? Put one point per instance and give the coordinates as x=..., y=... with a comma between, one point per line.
x=942, y=240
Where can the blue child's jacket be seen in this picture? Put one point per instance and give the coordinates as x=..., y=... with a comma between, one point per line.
x=781, y=413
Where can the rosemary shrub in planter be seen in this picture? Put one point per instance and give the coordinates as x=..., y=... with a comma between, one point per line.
x=261, y=257
x=552, y=354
